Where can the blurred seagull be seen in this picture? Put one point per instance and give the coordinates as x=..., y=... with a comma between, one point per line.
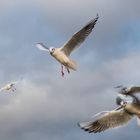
x=128, y=90
x=62, y=54
x=9, y=86
x=115, y=118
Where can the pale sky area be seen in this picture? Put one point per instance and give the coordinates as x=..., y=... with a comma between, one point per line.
x=47, y=106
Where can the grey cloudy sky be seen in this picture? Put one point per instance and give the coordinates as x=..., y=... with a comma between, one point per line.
x=46, y=106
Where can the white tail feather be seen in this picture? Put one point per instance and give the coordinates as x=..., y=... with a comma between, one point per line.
x=72, y=65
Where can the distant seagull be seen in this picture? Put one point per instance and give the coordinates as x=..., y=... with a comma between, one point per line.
x=128, y=90
x=62, y=54
x=115, y=118
x=9, y=86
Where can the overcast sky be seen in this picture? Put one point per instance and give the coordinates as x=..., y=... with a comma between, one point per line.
x=47, y=106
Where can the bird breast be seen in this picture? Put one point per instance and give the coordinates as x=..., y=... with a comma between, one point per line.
x=60, y=56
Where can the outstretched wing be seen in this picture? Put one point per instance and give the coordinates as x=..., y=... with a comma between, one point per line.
x=134, y=90
x=107, y=120
x=1, y=89
x=42, y=47
x=127, y=90
x=15, y=82
x=79, y=37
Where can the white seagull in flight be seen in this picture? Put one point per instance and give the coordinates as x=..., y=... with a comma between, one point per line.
x=104, y=120
x=9, y=86
x=62, y=54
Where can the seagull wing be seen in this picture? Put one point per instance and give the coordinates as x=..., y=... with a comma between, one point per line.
x=119, y=86
x=15, y=82
x=134, y=90
x=107, y=120
x=42, y=47
x=79, y=37
x=127, y=90
x=3, y=88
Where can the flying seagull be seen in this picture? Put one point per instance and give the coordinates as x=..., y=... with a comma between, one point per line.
x=9, y=87
x=62, y=54
x=110, y=119
x=128, y=90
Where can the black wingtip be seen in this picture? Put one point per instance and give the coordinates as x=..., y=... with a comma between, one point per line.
x=119, y=86
x=40, y=43
x=97, y=16
x=78, y=124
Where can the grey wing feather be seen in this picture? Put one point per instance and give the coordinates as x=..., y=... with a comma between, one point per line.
x=108, y=120
x=128, y=91
x=79, y=37
x=134, y=90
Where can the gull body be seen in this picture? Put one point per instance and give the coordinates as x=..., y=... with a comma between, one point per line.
x=115, y=118
x=9, y=86
x=63, y=59
x=62, y=54
x=133, y=108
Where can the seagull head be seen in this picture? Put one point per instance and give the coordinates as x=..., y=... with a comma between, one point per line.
x=11, y=84
x=120, y=101
x=123, y=100
x=42, y=47
x=51, y=50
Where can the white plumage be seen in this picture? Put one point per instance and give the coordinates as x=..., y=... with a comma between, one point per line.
x=9, y=87
x=115, y=118
x=62, y=54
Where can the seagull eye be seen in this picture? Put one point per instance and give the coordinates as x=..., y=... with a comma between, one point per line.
x=53, y=49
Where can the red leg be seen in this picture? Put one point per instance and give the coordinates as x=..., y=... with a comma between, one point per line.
x=62, y=71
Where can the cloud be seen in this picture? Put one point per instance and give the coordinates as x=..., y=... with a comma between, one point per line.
x=45, y=105
x=39, y=107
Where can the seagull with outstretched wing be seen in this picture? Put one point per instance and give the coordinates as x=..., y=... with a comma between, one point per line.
x=62, y=54
x=115, y=118
x=9, y=87
x=107, y=120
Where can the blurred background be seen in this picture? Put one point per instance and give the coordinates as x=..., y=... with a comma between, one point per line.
x=47, y=106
